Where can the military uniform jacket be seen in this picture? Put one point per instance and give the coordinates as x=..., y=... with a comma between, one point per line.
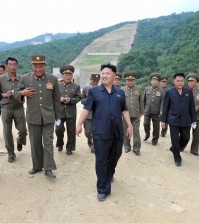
x=85, y=91
x=134, y=101
x=179, y=110
x=196, y=99
x=153, y=100
x=73, y=92
x=6, y=84
x=44, y=108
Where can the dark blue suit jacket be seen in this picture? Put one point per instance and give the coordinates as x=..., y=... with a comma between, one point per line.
x=106, y=112
x=179, y=110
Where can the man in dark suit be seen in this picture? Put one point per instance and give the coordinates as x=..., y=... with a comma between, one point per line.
x=70, y=96
x=179, y=112
x=108, y=106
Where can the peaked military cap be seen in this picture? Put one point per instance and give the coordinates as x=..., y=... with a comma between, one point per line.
x=130, y=75
x=67, y=69
x=155, y=76
x=164, y=78
x=38, y=59
x=95, y=76
x=193, y=77
x=118, y=76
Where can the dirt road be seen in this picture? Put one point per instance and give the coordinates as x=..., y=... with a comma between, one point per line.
x=149, y=188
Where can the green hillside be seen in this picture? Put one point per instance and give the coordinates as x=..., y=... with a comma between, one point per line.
x=167, y=44
x=57, y=52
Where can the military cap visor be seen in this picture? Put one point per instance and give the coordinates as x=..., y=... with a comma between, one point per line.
x=38, y=59
x=192, y=79
x=155, y=77
x=164, y=80
x=67, y=69
x=130, y=78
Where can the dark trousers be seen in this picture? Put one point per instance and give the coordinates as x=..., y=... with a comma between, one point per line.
x=71, y=136
x=195, y=139
x=156, y=126
x=41, y=141
x=179, y=139
x=107, y=154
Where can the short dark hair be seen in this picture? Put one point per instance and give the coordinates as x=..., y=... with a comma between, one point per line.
x=108, y=65
x=178, y=75
x=12, y=59
x=3, y=66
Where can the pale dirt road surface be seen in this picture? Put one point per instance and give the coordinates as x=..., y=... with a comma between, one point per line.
x=147, y=189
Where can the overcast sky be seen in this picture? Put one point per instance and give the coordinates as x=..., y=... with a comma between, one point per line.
x=25, y=19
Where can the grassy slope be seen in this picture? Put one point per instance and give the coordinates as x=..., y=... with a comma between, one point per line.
x=117, y=41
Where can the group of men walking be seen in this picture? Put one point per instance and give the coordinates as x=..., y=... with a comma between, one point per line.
x=110, y=115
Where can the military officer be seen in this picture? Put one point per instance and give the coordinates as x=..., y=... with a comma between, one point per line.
x=164, y=87
x=193, y=79
x=134, y=102
x=70, y=96
x=153, y=101
x=94, y=80
x=117, y=80
x=12, y=110
x=43, y=108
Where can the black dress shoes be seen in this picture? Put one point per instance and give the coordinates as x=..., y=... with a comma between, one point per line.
x=49, y=174
x=32, y=172
x=69, y=152
x=195, y=154
x=101, y=196
x=11, y=159
x=146, y=137
x=154, y=143
x=137, y=153
x=19, y=147
x=60, y=148
x=126, y=150
x=178, y=164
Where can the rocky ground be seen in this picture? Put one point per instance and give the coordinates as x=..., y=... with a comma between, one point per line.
x=149, y=188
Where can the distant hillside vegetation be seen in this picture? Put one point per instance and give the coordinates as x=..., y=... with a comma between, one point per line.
x=167, y=44
x=48, y=37
x=57, y=52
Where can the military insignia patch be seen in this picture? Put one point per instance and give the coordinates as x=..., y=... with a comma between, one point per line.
x=49, y=85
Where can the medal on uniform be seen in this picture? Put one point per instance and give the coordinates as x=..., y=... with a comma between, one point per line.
x=136, y=93
x=49, y=85
x=158, y=94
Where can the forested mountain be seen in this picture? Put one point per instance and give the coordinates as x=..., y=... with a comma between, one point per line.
x=57, y=52
x=167, y=44
x=47, y=37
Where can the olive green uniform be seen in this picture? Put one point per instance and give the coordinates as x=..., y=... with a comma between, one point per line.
x=164, y=130
x=195, y=135
x=87, y=122
x=68, y=115
x=135, y=107
x=153, y=102
x=42, y=111
x=12, y=110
